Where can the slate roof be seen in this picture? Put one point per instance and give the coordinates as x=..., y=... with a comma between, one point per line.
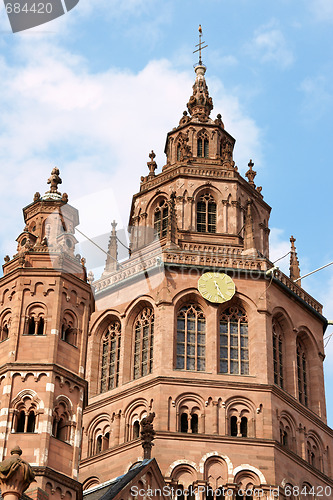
x=109, y=490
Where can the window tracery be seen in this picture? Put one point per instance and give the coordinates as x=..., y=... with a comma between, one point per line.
x=302, y=376
x=234, y=349
x=143, y=343
x=25, y=413
x=161, y=219
x=206, y=214
x=203, y=146
x=111, y=342
x=191, y=339
x=278, y=355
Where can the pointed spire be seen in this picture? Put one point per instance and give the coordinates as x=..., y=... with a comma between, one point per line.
x=294, y=268
x=111, y=263
x=200, y=103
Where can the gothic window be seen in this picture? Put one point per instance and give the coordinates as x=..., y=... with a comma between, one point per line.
x=69, y=328
x=191, y=338
x=277, y=355
x=234, y=349
x=143, y=343
x=202, y=147
x=206, y=214
x=161, y=219
x=110, y=356
x=302, y=378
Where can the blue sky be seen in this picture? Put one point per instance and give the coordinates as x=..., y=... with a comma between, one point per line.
x=95, y=90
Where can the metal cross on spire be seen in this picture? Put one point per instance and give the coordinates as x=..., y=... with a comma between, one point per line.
x=200, y=45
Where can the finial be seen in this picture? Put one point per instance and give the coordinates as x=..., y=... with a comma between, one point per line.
x=250, y=174
x=147, y=435
x=294, y=268
x=54, y=180
x=152, y=165
x=114, y=225
x=200, y=46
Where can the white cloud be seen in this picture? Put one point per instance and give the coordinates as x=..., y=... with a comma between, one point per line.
x=269, y=45
x=279, y=246
x=322, y=10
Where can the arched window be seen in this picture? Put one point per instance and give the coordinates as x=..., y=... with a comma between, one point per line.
x=313, y=453
x=184, y=422
x=35, y=321
x=20, y=421
x=302, y=378
x=203, y=147
x=191, y=339
x=110, y=356
x=143, y=343
x=206, y=214
x=5, y=326
x=31, y=422
x=277, y=355
x=243, y=427
x=136, y=429
x=161, y=220
x=194, y=423
x=69, y=328
x=99, y=444
x=234, y=349
x=233, y=426
x=31, y=326
x=61, y=421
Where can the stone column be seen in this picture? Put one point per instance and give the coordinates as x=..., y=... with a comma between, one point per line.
x=15, y=475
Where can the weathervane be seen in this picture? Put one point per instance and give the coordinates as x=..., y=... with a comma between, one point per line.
x=200, y=45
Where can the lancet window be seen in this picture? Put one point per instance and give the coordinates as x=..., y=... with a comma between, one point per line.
x=143, y=343
x=302, y=376
x=110, y=356
x=278, y=355
x=234, y=348
x=206, y=214
x=203, y=147
x=61, y=426
x=161, y=220
x=191, y=339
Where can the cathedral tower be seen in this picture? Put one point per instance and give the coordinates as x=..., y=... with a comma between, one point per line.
x=197, y=327
x=44, y=313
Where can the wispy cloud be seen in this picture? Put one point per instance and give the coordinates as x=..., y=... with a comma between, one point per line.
x=269, y=45
x=322, y=10
x=318, y=96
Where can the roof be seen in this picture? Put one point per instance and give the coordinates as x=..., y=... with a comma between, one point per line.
x=108, y=490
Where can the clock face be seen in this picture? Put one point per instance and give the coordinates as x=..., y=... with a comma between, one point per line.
x=216, y=287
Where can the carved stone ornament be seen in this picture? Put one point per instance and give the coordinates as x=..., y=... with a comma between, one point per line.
x=16, y=475
x=54, y=180
x=147, y=434
x=200, y=103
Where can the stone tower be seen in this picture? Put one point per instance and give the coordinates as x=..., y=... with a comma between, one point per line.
x=233, y=370
x=45, y=305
